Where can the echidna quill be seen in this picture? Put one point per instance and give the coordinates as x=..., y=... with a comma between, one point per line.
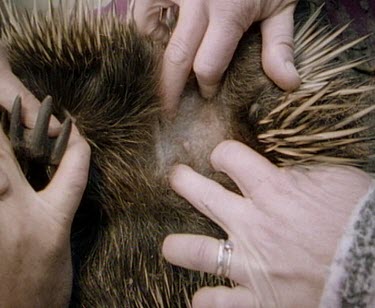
x=106, y=75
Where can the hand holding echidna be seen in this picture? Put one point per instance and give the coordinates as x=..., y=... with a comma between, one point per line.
x=207, y=34
x=11, y=86
x=282, y=234
x=35, y=228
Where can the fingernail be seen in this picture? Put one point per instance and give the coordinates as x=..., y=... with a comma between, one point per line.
x=294, y=79
x=207, y=91
x=291, y=68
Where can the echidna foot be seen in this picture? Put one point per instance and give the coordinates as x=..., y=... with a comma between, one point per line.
x=35, y=144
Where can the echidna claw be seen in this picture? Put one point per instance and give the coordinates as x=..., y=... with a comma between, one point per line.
x=15, y=125
x=39, y=137
x=35, y=144
x=61, y=142
x=4, y=120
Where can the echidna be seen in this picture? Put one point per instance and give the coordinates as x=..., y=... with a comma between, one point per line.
x=106, y=75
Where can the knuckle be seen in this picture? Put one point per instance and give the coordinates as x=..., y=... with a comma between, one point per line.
x=207, y=199
x=277, y=43
x=239, y=14
x=285, y=40
x=201, y=256
x=177, y=53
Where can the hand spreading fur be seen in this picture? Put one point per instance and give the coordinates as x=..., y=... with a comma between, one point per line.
x=282, y=228
x=207, y=34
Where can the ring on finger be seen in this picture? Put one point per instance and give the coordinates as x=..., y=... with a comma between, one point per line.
x=224, y=258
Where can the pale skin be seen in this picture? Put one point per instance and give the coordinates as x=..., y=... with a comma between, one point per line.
x=207, y=34
x=35, y=264
x=204, y=40
x=287, y=222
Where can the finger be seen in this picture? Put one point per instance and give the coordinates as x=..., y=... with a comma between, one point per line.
x=213, y=200
x=180, y=53
x=224, y=297
x=248, y=169
x=11, y=170
x=70, y=179
x=10, y=87
x=4, y=182
x=195, y=252
x=200, y=253
x=214, y=56
x=278, y=49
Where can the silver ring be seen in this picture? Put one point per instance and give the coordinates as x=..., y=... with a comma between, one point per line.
x=224, y=258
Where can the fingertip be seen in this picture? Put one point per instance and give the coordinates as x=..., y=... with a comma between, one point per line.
x=223, y=296
x=202, y=298
x=214, y=56
x=290, y=79
x=279, y=66
x=168, y=247
x=225, y=152
x=208, y=75
x=278, y=49
x=178, y=175
x=208, y=91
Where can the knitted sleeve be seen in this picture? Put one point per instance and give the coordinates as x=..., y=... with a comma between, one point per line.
x=351, y=281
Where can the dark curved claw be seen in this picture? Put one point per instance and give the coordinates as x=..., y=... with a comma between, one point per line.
x=61, y=142
x=35, y=144
x=15, y=125
x=39, y=137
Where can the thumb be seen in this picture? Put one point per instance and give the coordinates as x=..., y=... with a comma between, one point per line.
x=278, y=49
x=69, y=182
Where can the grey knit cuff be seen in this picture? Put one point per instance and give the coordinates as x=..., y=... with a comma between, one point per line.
x=351, y=281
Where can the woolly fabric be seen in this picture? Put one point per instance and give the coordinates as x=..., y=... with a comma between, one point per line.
x=120, y=5
x=351, y=282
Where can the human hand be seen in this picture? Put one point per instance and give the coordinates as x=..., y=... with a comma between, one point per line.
x=11, y=86
x=284, y=229
x=207, y=34
x=35, y=264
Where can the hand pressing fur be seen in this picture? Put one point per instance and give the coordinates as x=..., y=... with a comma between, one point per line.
x=35, y=264
x=284, y=228
x=207, y=34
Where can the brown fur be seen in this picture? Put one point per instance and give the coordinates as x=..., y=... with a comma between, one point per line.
x=106, y=76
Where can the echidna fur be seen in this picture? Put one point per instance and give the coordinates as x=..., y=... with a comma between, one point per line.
x=106, y=75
